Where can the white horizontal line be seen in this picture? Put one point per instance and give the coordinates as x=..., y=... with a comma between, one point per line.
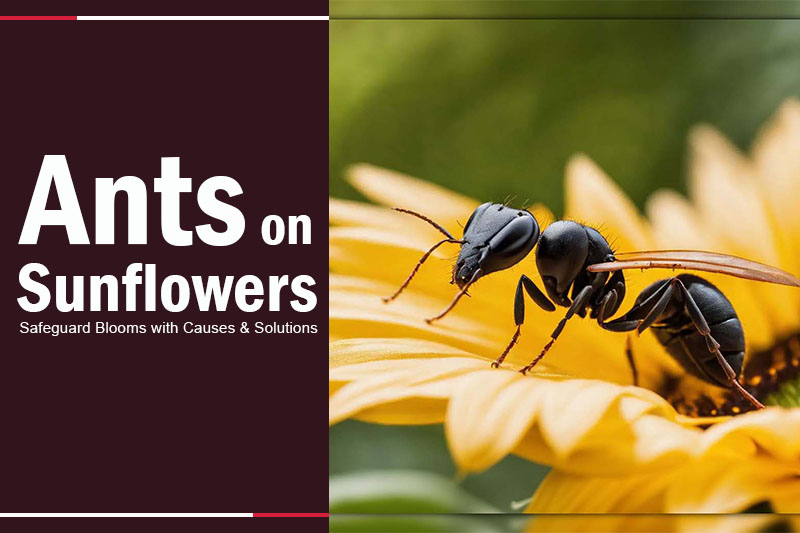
x=181, y=17
x=124, y=515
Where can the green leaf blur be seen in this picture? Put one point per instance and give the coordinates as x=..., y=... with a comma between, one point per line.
x=495, y=107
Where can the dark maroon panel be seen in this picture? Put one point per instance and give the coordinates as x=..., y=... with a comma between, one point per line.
x=170, y=423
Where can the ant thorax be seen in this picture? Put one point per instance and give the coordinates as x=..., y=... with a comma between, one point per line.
x=565, y=249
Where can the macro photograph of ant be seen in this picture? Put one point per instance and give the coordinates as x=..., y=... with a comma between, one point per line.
x=564, y=266
x=690, y=317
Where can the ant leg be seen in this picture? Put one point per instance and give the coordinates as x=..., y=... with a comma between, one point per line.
x=615, y=285
x=699, y=322
x=499, y=361
x=536, y=294
x=387, y=299
x=620, y=326
x=640, y=312
x=579, y=302
x=659, y=306
x=609, y=302
x=519, y=311
x=461, y=293
x=519, y=318
x=631, y=361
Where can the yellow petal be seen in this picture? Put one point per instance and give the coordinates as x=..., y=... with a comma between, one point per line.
x=383, y=255
x=397, y=391
x=776, y=152
x=713, y=485
x=578, y=425
x=746, y=460
x=739, y=523
x=359, y=315
x=398, y=190
x=488, y=415
x=351, y=351
x=774, y=430
x=726, y=485
x=727, y=197
x=788, y=501
x=731, y=204
x=650, y=439
x=659, y=440
x=573, y=409
x=349, y=213
x=676, y=224
x=594, y=199
x=596, y=523
x=561, y=492
x=492, y=413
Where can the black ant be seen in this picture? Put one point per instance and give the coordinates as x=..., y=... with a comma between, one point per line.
x=689, y=316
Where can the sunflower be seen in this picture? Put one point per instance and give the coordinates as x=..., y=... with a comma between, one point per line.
x=670, y=444
x=662, y=523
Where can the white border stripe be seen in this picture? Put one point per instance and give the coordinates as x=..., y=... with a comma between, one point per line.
x=158, y=17
x=125, y=515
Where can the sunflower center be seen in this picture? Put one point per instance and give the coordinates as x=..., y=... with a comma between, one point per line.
x=771, y=375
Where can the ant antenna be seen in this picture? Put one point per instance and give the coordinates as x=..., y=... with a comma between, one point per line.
x=426, y=219
x=461, y=293
x=427, y=254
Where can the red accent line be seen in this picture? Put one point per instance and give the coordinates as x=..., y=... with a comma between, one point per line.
x=291, y=515
x=39, y=18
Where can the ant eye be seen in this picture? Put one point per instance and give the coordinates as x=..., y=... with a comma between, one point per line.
x=517, y=235
x=511, y=244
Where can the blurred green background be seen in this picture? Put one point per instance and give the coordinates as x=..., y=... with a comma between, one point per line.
x=496, y=107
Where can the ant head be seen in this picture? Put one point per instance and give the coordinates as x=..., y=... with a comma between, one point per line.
x=496, y=237
x=560, y=257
